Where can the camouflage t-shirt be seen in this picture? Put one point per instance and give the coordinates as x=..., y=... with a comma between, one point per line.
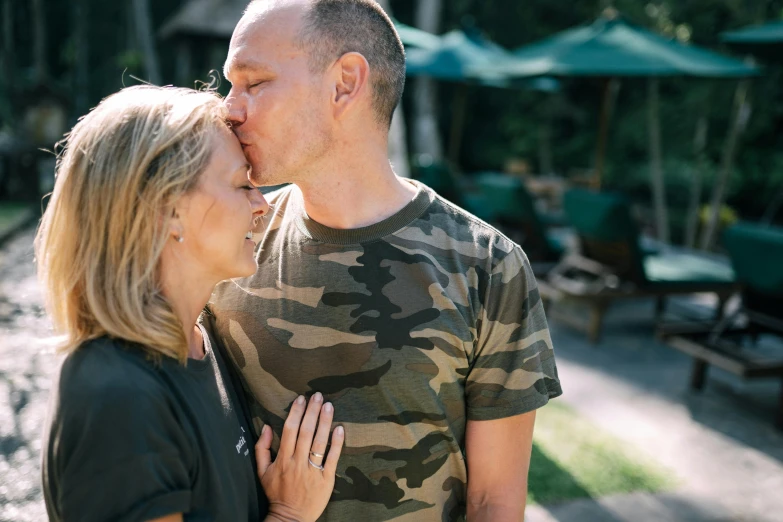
x=410, y=327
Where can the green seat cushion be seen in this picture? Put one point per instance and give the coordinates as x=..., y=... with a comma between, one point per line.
x=558, y=239
x=477, y=204
x=686, y=269
x=756, y=253
x=600, y=216
x=508, y=197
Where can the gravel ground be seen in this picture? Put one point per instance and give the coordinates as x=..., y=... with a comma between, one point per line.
x=27, y=363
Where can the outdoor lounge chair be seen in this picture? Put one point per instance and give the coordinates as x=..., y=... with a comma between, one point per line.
x=733, y=343
x=515, y=211
x=611, y=263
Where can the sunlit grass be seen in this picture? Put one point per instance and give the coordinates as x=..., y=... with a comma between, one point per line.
x=573, y=459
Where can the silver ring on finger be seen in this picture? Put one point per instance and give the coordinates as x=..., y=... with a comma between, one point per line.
x=313, y=464
x=316, y=455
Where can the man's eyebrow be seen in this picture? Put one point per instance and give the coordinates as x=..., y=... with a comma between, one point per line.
x=244, y=66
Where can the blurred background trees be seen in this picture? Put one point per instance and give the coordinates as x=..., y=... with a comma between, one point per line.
x=72, y=53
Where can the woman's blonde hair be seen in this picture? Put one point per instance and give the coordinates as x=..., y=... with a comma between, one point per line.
x=123, y=168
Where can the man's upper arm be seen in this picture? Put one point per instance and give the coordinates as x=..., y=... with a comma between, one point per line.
x=498, y=459
x=512, y=374
x=513, y=367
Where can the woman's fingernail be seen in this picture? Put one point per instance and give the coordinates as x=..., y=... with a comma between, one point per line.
x=328, y=407
x=338, y=430
x=318, y=397
x=300, y=399
x=263, y=430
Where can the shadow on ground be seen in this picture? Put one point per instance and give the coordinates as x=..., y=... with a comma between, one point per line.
x=739, y=409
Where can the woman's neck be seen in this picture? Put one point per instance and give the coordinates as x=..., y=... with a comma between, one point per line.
x=187, y=294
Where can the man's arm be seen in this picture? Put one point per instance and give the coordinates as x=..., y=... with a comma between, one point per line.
x=498, y=458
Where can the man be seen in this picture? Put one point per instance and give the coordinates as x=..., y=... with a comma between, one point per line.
x=420, y=323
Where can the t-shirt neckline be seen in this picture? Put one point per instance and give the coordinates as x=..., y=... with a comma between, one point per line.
x=401, y=219
x=206, y=361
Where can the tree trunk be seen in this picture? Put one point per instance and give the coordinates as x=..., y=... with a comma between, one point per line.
x=697, y=173
x=39, y=42
x=146, y=38
x=657, y=183
x=742, y=111
x=398, y=147
x=426, y=135
x=82, y=56
x=8, y=51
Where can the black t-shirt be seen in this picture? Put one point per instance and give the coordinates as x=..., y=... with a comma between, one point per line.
x=130, y=440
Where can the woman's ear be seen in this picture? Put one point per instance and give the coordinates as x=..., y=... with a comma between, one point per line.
x=176, y=227
x=351, y=73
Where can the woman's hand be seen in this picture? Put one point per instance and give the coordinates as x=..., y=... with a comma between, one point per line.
x=299, y=482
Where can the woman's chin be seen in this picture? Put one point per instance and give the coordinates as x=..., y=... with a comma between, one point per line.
x=244, y=269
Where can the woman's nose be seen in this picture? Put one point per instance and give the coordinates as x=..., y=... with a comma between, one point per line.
x=258, y=204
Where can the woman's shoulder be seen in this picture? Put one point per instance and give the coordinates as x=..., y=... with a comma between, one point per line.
x=109, y=369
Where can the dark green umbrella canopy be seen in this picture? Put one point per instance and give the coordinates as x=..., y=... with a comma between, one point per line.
x=613, y=47
x=765, y=41
x=459, y=57
x=416, y=38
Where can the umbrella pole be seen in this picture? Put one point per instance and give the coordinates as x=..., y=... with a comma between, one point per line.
x=457, y=124
x=656, y=172
x=603, y=131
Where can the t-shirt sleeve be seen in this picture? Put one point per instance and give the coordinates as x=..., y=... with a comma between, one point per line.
x=117, y=452
x=513, y=367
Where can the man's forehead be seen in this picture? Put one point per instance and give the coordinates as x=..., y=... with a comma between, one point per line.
x=277, y=18
x=263, y=36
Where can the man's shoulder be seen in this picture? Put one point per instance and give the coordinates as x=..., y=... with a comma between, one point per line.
x=446, y=226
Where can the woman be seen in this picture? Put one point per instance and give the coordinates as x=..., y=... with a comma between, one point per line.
x=151, y=208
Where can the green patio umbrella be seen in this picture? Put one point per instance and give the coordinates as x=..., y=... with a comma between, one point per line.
x=416, y=38
x=468, y=58
x=611, y=47
x=460, y=57
x=764, y=41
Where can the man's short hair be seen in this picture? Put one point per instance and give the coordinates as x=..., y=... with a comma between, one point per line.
x=332, y=28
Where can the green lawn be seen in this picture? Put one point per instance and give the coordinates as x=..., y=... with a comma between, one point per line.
x=572, y=459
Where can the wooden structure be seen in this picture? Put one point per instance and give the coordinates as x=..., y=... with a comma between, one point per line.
x=733, y=343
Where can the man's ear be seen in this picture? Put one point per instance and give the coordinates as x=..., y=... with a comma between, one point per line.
x=352, y=76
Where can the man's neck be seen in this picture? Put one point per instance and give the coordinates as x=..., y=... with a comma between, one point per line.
x=356, y=196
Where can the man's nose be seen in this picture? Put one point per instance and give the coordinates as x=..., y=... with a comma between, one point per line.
x=236, y=108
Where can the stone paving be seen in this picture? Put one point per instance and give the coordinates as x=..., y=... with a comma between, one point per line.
x=720, y=444
x=27, y=362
